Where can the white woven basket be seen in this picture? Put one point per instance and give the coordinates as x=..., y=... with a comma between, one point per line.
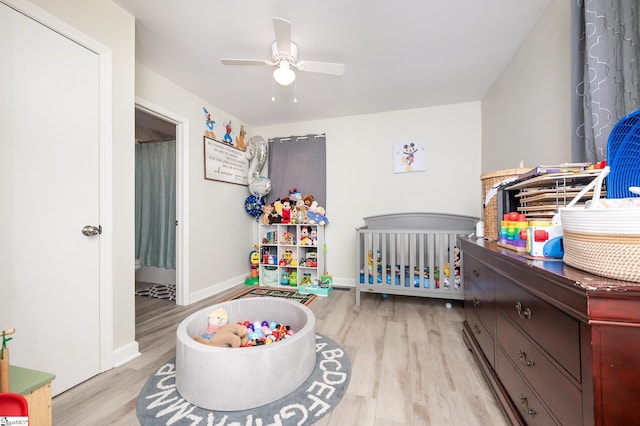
x=603, y=241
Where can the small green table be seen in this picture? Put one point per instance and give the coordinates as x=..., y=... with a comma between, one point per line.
x=35, y=386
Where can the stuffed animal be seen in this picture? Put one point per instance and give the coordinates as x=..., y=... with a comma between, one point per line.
x=301, y=212
x=308, y=199
x=286, y=210
x=220, y=333
x=317, y=214
x=274, y=216
x=305, y=231
x=295, y=195
x=267, y=209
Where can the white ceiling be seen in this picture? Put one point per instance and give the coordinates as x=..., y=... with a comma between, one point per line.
x=398, y=54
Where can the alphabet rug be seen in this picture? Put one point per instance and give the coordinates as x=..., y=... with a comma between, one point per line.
x=160, y=403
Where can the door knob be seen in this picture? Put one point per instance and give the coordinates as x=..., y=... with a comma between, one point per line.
x=91, y=231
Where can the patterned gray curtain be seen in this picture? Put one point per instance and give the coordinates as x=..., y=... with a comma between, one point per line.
x=298, y=162
x=605, y=45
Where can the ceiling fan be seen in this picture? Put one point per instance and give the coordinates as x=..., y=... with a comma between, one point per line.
x=284, y=56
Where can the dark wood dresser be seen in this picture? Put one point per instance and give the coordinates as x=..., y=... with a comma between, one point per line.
x=556, y=344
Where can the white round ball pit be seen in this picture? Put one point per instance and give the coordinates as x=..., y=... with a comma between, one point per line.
x=231, y=379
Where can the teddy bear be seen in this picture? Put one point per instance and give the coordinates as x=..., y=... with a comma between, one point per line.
x=220, y=333
x=308, y=199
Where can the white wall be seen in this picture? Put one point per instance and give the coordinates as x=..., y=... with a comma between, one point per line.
x=360, y=178
x=220, y=231
x=524, y=116
x=527, y=113
x=114, y=28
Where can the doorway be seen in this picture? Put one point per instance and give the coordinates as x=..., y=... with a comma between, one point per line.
x=155, y=125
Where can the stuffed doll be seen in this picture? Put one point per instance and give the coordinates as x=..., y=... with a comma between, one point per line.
x=220, y=333
x=313, y=236
x=286, y=210
x=304, y=236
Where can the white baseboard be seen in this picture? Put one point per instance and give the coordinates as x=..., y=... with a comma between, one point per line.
x=344, y=282
x=215, y=289
x=125, y=353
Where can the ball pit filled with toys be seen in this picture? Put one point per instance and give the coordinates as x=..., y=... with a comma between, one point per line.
x=266, y=332
x=230, y=379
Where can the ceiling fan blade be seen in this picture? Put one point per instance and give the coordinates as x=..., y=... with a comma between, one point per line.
x=321, y=67
x=282, y=29
x=227, y=61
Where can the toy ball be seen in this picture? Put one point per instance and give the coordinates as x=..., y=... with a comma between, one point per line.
x=257, y=325
x=253, y=336
x=264, y=323
x=513, y=216
x=249, y=327
x=272, y=325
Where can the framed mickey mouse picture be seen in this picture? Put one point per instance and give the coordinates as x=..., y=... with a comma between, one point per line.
x=409, y=157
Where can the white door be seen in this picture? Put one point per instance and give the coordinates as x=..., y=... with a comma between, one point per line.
x=49, y=157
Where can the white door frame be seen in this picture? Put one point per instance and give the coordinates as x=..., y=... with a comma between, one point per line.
x=182, y=193
x=105, y=56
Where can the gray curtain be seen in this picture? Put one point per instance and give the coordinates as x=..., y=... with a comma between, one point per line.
x=298, y=162
x=155, y=218
x=605, y=44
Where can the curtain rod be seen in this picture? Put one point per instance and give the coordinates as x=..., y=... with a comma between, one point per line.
x=156, y=140
x=297, y=137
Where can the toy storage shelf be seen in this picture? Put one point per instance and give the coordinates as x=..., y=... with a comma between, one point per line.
x=294, y=252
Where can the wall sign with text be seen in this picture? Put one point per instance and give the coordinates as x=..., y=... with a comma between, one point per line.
x=224, y=162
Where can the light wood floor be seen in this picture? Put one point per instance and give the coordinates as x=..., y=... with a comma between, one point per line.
x=409, y=364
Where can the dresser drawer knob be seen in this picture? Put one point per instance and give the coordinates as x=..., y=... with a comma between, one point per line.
x=523, y=313
x=523, y=401
x=476, y=302
x=476, y=329
x=523, y=358
x=476, y=273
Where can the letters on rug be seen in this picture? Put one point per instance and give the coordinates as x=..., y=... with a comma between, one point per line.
x=160, y=403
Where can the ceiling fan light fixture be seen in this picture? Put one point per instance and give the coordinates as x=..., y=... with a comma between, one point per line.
x=284, y=75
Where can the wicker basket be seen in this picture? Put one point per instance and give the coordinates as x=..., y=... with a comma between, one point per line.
x=603, y=241
x=490, y=208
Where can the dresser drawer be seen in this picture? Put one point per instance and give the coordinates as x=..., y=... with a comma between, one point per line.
x=480, y=304
x=563, y=397
x=526, y=402
x=479, y=273
x=482, y=336
x=556, y=332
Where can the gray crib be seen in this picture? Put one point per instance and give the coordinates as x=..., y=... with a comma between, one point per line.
x=411, y=254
